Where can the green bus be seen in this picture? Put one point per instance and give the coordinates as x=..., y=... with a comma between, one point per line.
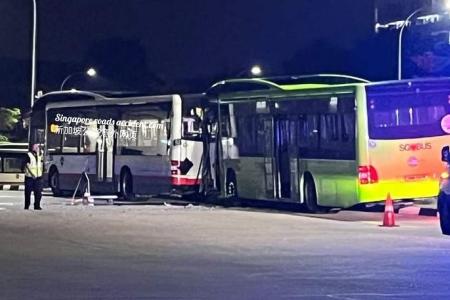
x=329, y=141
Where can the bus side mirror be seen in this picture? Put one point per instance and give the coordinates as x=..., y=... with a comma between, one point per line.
x=445, y=154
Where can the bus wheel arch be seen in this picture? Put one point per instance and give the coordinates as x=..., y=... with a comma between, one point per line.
x=310, y=194
x=126, y=184
x=54, y=181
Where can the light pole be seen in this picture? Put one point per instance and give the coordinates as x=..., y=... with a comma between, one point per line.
x=91, y=72
x=33, y=55
x=400, y=36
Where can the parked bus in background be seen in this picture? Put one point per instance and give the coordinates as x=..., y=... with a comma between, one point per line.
x=12, y=161
x=326, y=145
x=128, y=145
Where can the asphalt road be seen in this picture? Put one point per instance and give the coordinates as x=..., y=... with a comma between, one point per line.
x=197, y=252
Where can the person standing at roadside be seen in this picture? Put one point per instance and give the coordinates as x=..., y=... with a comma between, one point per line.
x=33, y=177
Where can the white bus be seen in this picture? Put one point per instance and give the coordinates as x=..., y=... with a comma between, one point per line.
x=127, y=145
x=12, y=161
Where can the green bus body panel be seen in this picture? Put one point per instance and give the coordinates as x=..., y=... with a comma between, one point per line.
x=335, y=180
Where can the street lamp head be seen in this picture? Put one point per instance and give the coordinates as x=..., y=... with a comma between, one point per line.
x=256, y=70
x=91, y=72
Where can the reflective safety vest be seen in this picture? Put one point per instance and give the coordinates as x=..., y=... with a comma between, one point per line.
x=34, y=166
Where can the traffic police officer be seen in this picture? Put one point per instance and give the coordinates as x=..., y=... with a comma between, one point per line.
x=33, y=177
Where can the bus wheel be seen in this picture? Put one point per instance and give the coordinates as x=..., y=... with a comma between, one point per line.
x=232, y=197
x=126, y=185
x=54, y=183
x=310, y=195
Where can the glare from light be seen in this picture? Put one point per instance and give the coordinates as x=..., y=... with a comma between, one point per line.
x=256, y=70
x=447, y=4
x=91, y=72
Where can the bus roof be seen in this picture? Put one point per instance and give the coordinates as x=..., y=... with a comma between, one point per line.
x=76, y=98
x=283, y=83
x=264, y=88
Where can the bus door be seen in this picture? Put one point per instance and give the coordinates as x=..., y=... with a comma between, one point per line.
x=104, y=153
x=267, y=124
x=281, y=157
x=276, y=133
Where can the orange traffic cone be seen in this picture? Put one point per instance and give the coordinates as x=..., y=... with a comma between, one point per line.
x=389, y=215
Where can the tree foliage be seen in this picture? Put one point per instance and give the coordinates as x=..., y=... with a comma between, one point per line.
x=9, y=119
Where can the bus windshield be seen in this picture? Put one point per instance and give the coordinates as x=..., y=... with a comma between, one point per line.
x=402, y=113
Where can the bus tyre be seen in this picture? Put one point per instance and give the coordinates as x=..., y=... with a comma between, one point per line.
x=310, y=195
x=232, y=197
x=54, y=183
x=126, y=185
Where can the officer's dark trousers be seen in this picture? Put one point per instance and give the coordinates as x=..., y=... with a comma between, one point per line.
x=35, y=186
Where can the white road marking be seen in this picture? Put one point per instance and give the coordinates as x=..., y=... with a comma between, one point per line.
x=7, y=203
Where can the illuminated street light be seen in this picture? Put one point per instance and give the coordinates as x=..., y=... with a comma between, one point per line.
x=256, y=70
x=91, y=72
x=447, y=4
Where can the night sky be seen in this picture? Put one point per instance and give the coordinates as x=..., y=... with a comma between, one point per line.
x=178, y=45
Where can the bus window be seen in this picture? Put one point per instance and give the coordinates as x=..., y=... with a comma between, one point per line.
x=149, y=138
x=71, y=143
x=89, y=138
x=37, y=127
x=407, y=115
x=308, y=138
x=191, y=127
x=13, y=164
x=192, y=123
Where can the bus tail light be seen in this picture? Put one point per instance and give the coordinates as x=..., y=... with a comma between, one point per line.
x=367, y=174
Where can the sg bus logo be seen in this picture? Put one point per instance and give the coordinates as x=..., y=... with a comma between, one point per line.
x=415, y=147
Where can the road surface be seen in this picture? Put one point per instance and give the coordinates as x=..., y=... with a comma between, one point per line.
x=198, y=252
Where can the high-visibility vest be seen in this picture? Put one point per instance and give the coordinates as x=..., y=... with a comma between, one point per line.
x=34, y=166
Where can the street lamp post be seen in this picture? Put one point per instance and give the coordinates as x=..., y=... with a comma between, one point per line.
x=91, y=72
x=33, y=55
x=400, y=36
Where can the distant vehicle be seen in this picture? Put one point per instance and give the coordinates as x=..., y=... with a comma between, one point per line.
x=304, y=140
x=127, y=144
x=12, y=160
